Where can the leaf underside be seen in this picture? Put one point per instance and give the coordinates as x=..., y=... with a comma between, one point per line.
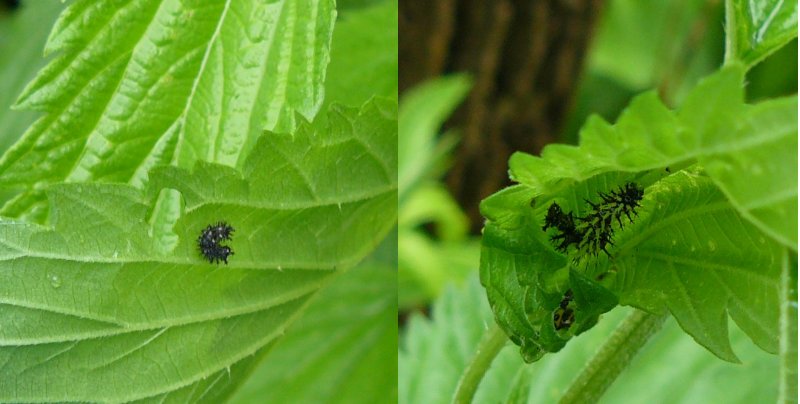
x=761, y=28
x=136, y=84
x=92, y=311
x=719, y=206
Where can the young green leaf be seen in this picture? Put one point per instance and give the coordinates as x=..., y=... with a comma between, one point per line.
x=526, y=278
x=422, y=113
x=757, y=28
x=95, y=312
x=146, y=83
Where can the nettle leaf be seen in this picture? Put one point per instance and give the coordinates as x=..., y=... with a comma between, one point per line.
x=430, y=365
x=363, y=55
x=140, y=84
x=434, y=352
x=332, y=353
x=715, y=181
x=94, y=311
x=757, y=28
x=692, y=254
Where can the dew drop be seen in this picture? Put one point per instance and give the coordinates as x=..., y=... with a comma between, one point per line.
x=692, y=248
x=712, y=246
x=674, y=242
x=55, y=281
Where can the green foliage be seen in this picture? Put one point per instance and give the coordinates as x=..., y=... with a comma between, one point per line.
x=665, y=47
x=434, y=352
x=757, y=28
x=95, y=287
x=422, y=112
x=362, y=62
x=168, y=91
x=346, y=343
x=429, y=262
x=693, y=250
x=22, y=36
x=198, y=113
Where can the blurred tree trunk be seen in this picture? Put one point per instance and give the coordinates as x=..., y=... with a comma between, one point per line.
x=525, y=58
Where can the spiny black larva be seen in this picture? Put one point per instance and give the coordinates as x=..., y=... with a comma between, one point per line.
x=564, y=316
x=209, y=242
x=593, y=232
x=565, y=224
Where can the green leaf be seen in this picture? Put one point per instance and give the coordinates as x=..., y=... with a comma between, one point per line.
x=423, y=110
x=692, y=254
x=23, y=34
x=672, y=365
x=430, y=366
x=363, y=55
x=645, y=60
x=94, y=311
x=758, y=28
x=767, y=196
x=526, y=277
x=434, y=352
x=185, y=82
x=428, y=263
x=343, y=349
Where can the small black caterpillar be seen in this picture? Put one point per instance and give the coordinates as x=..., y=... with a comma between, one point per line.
x=593, y=232
x=563, y=316
x=565, y=224
x=209, y=242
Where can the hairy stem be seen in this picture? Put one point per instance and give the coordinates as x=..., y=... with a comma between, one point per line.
x=493, y=341
x=730, y=33
x=613, y=357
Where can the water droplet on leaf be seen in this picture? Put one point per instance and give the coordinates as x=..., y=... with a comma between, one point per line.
x=55, y=281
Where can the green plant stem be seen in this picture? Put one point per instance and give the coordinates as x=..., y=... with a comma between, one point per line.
x=730, y=33
x=493, y=341
x=787, y=372
x=613, y=357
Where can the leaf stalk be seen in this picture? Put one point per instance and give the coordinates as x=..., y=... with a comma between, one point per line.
x=490, y=345
x=613, y=357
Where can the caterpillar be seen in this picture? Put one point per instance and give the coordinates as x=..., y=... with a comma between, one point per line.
x=565, y=224
x=209, y=242
x=564, y=316
x=594, y=232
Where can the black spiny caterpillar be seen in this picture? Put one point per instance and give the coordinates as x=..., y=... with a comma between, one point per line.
x=593, y=232
x=564, y=316
x=209, y=242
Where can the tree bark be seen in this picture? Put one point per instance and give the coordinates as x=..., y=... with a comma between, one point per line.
x=525, y=58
